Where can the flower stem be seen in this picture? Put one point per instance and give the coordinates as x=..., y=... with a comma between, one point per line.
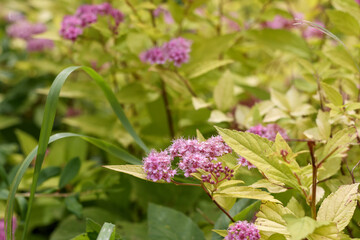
x=167, y=109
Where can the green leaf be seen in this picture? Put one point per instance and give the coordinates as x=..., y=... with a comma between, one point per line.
x=247, y=212
x=324, y=127
x=222, y=233
x=332, y=94
x=280, y=100
x=134, y=170
x=198, y=103
x=106, y=146
x=337, y=145
x=348, y=6
x=344, y=22
x=166, y=223
x=325, y=231
x=74, y=206
x=271, y=187
x=201, y=68
x=48, y=121
x=341, y=57
x=261, y=153
x=27, y=142
x=172, y=79
x=107, y=232
x=245, y=192
x=300, y=228
x=269, y=219
x=217, y=116
x=8, y=121
x=224, y=92
x=48, y=173
x=92, y=226
x=282, y=40
x=295, y=207
x=69, y=172
x=277, y=236
x=339, y=207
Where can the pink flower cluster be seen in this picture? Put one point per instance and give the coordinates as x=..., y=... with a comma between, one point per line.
x=167, y=15
x=2, y=228
x=73, y=25
x=270, y=131
x=192, y=153
x=23, y=29
x=280, y=22
x=242, y=230
x=357, y=1
x=176, y=51
x=217, y=173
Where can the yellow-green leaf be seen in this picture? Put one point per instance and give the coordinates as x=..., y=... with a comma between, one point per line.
x=245, y=192
x=339, y=207
x=332, y=94
x=134, y=170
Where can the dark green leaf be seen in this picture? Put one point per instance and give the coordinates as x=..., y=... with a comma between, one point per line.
x=69, y=172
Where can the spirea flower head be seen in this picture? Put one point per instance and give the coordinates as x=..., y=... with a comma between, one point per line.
x=39, y=44
x=357, y=1
x=311, y=32
x=73, y=25
x=25, y=30
x=153, y=56
x=268, y=131
x=245, y=163
x=157, y=166
x=176, y=51
x=167, y=15
x=242, y=230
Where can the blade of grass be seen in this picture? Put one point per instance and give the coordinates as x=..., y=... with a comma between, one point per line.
x=106, y=146
x=48, y=121
x=106, y=232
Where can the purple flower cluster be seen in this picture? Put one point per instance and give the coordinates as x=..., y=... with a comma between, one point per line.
x=217, y=173
x=73, y=25
x=280, y=22
x=167, y=15
x=26, y=30
x=192, y=153
x=242, y=230
x=357, y=1
x=176, y=51
x=270, y=131
x=2, y=228
x=157, y=165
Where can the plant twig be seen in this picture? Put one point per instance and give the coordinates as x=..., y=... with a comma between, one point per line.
x=133, y=9
x=314, y=179
x=185, y=184
x=326, y=157
x=217, y=204
x=167, y=109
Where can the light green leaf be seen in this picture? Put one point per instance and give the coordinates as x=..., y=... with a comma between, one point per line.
x=217, y=116
x=27, y=142
x=172, y=79
x=275, y=114
x=222, y=233
x=339, y=207
x=332, y=94
x=201, y=68
x=300, y=228
x=322, y=121
x=341, y=57
x=337, y=145
x=134, y=170
x=269, y=219
x=8, y=121
x=295, y=207
x=107, y=232
x=344, y=22
x=281, y=39
x=277, y=236
x=224, y=92
x=280, y=100
x=261, y=153
x=271, y=187
x=198, y=103
x=348, y=6
x=245, y=192
x=325, y=231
